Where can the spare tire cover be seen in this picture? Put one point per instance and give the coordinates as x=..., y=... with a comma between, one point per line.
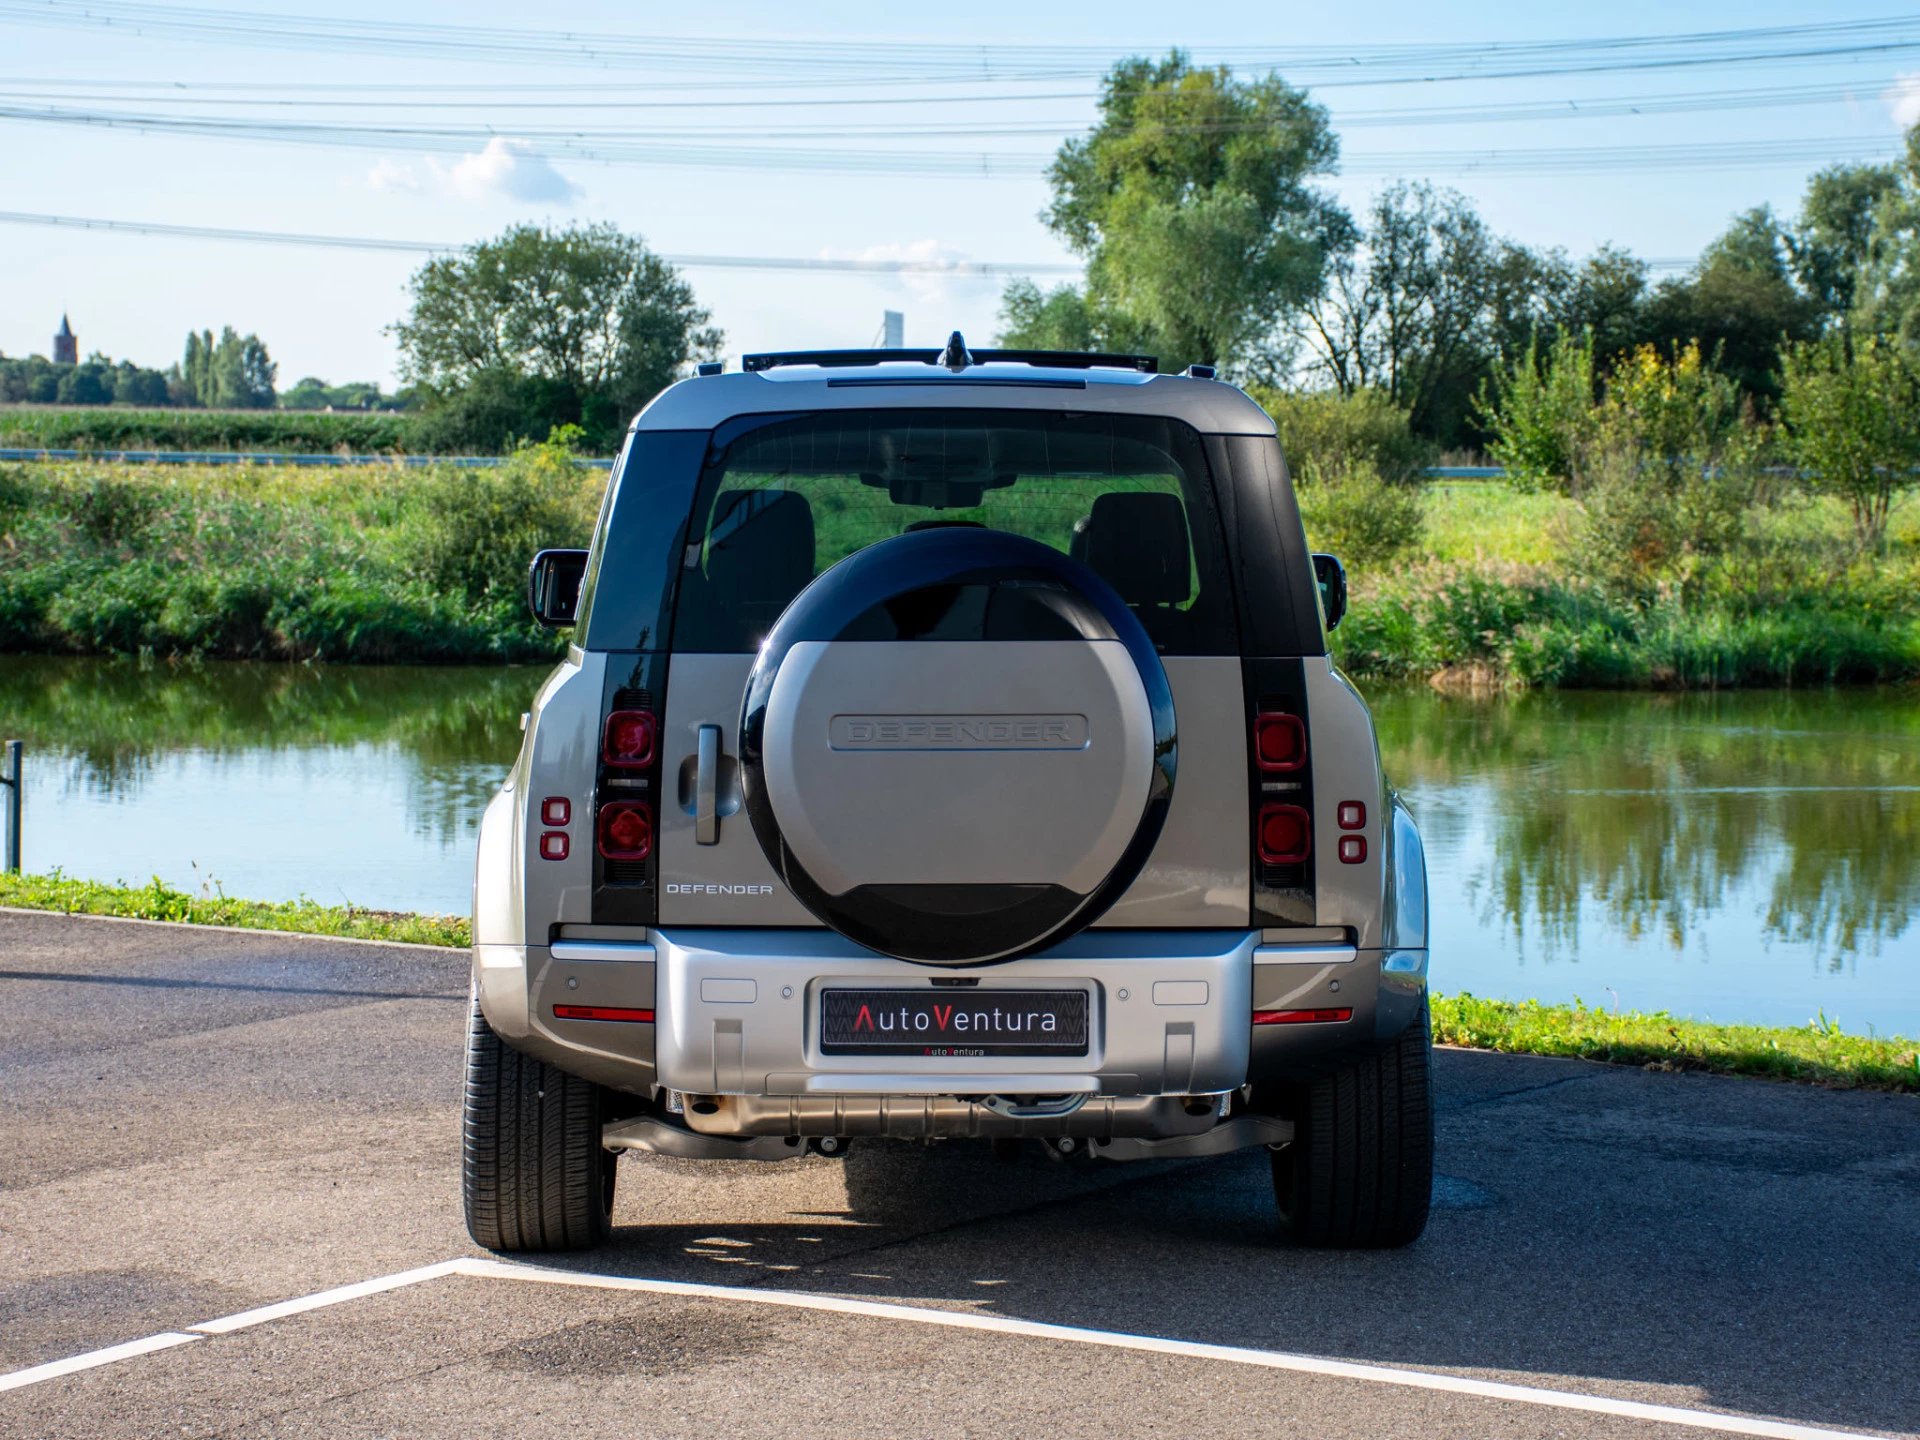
x=957, y=746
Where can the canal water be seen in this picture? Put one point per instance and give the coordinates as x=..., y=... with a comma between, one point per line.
x=1741, y=856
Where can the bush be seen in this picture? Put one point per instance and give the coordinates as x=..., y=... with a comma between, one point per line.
x=1853, y=421
x=479, y=528
x=1541, y=414
x=1325, y=433
x=253, y=562
x=1357, y=515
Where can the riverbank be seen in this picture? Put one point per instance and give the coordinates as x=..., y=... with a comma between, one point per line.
x=1817, y=1053
x=381, y=565
x=157, y=900
x=1498, y=591
x=375, y=564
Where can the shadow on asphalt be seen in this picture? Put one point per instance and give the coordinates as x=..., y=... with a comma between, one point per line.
x=1603, y=1229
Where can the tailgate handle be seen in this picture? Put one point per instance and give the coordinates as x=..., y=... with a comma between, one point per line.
x=706, y=788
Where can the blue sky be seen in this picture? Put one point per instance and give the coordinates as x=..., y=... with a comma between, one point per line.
x=323, y=311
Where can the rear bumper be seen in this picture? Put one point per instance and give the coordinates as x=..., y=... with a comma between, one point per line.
x=735, y=1026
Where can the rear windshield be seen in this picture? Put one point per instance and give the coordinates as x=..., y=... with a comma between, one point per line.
x=1127, y=495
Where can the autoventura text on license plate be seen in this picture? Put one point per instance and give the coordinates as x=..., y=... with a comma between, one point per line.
x=953, y=1022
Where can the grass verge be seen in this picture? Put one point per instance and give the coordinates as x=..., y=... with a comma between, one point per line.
x=159, y=901
x=1819, y=1053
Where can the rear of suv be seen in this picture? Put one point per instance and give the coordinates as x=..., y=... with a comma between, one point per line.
x=947, y=749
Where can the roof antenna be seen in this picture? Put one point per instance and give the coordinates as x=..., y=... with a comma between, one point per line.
x=955, y=356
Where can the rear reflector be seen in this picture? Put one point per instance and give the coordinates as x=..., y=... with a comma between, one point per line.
x=1352, y=815
x=1353, y=849
x=626, y=830
x=1279, y=741
x=1285, y=836
x=629, y=739
x=556, y=810
x=553, y=845
x=1302, y=1017
x=602, y=1012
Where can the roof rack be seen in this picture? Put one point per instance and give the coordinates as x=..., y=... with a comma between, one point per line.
x=1058, y=359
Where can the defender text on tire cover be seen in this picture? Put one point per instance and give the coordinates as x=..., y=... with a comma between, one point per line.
x=1040, y=721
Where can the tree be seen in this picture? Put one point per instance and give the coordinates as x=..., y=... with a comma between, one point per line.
x=1425, y=303
x=1738, y=304
x=1829, y=244
x=1887, y=291
x=1608, y=302
x=242, y=374
x=544, y=327
x=1853, y=423
x=1189, y=202
x=83, y=384
x=196, y=367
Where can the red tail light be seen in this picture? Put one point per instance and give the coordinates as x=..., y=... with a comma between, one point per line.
x=1279, y=741
x=1302, y=1017
x=628, y=742
x=625, y=830
x=1286, y=835
x=602, y=1012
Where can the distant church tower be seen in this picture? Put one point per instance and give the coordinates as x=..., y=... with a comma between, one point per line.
x=66, y=345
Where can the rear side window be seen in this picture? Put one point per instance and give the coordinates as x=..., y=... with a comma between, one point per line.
x=1129, y=496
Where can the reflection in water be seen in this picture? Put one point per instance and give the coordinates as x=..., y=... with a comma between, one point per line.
x=361, y=784
x=1738, y=855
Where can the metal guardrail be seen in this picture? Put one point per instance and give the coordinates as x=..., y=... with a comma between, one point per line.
x=11, y=781
x=273, y=457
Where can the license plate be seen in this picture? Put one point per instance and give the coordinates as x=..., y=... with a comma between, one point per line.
x=953, y=1023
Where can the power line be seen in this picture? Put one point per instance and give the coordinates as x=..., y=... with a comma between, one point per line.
x=617, y=145
x=750, y=63
x=958, y=269
x=1528, y=111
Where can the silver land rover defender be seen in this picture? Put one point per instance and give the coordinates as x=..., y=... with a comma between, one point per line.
x=947, y=749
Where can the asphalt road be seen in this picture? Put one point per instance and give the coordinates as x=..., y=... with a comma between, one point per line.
x=197, y=1123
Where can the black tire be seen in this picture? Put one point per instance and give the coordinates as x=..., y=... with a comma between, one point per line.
x=1358, y=1174
x=533, y=1173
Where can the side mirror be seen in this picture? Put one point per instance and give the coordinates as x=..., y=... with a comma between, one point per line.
x=1332, y=578
x=553, y=586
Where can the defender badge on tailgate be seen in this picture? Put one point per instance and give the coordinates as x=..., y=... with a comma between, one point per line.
x=957, y=732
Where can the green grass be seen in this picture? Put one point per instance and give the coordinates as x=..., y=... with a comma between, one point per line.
x=87, y=427
x=159, y=901
x=1819, y=1053
x=258, y=562
x=1498, y=590
x=1479, y=522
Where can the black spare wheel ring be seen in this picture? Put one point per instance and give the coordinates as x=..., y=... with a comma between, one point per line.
x=957, y=746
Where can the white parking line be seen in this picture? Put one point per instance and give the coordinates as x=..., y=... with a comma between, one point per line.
x=1231, y=1354
x=226, y=1324
x=950, y=1319
x=54, y=1369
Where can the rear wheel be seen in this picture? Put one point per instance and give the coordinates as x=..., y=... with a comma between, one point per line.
x=534, y=1175
x=1358, y=1173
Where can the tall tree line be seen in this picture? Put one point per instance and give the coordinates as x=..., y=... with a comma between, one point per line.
x=1194, y=204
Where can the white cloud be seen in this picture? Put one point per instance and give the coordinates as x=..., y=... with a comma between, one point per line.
x=505, y=170
x=509, y=168
x=933, y=286
x=1903, y=99
x=391, y=175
